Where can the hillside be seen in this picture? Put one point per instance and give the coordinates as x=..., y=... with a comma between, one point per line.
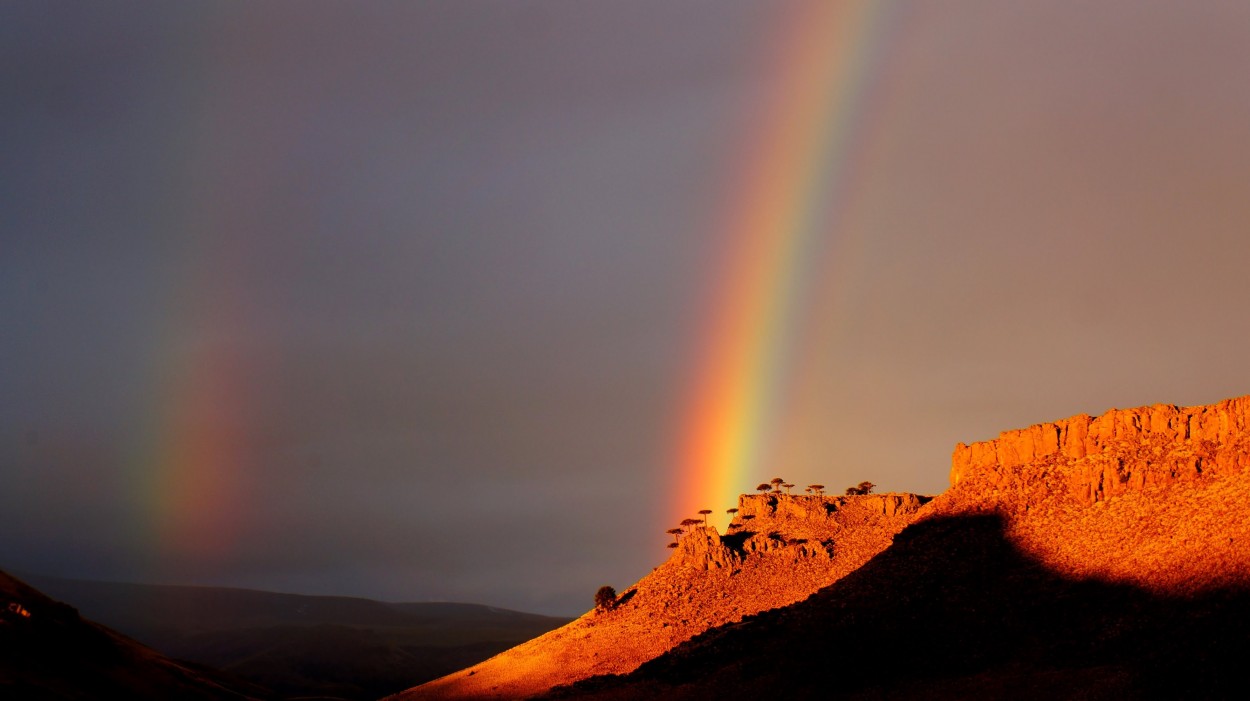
x=779, y=549
x=1094, y=558
x=331, y=646
x=47, y=651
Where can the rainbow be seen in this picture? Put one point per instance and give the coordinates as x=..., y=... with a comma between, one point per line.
x=783, y=229
x=189, y=464
x=194, y=465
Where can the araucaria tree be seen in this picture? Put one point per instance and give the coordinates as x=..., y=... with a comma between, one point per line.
x=764, y=487
x=817, y=489
x=860, y=489
x=777, y=482
x=787, y=486
x=704, y=513
x=676, y=533
x=605, y=598
x=688, y=522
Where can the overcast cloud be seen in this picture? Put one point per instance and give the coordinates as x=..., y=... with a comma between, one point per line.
x=429, y=270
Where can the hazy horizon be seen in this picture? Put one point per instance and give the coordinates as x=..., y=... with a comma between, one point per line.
x=407, y=301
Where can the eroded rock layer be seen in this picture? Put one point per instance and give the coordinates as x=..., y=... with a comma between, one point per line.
x=1153, y=496
x=1123, y=450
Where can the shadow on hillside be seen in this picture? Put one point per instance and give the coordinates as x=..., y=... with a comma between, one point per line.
x=953, y=610
x=736, y=541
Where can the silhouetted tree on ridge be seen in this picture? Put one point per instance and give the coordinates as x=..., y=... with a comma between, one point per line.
x=860, y=489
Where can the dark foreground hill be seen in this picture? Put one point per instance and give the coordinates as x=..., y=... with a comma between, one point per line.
x=327, y=646
x=48, y=652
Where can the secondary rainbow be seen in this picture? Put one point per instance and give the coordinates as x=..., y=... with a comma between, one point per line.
x=189, y=464
x=782, y=231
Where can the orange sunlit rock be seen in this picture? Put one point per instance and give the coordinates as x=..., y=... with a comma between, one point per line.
x=779, y=549
x=1152, y=497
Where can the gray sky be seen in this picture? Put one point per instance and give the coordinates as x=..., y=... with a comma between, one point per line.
x=396, y=300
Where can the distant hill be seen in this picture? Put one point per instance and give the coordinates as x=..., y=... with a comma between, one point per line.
x=1093, y=558
x=330, y=646
x=47, y=652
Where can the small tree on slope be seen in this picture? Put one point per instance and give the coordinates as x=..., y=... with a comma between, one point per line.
x=605, y=598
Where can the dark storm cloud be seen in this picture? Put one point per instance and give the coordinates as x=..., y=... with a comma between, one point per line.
x=455, y=254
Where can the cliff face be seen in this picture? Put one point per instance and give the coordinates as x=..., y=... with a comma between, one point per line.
x=1123, y=450
x=1152, y=496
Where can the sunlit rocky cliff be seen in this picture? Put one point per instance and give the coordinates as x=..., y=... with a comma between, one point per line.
x=1102, y=557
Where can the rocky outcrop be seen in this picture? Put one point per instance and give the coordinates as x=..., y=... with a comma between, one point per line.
x=806, y=508
x=1093, y=459
x=703, y=549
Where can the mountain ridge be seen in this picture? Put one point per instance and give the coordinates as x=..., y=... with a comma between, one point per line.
x=299, y=644
x=266, y=606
